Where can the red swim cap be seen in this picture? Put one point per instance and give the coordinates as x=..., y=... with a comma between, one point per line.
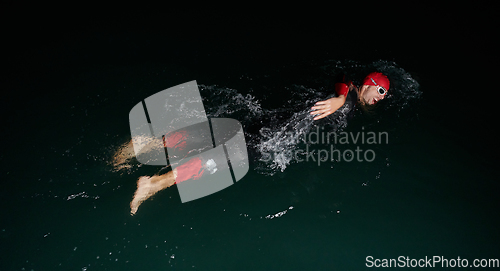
x=377, y=79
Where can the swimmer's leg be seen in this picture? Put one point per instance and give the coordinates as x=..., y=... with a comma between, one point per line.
x=148, y=186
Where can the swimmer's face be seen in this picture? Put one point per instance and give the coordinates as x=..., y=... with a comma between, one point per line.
x=370, y=95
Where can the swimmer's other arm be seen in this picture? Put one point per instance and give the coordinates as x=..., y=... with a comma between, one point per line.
x=327, y=107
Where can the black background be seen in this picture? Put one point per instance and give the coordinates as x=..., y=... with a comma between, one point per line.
x=447, y=49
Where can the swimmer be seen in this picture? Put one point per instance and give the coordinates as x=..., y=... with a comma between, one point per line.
x=374, y=88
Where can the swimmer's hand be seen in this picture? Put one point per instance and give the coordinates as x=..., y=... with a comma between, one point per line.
x=327, y=107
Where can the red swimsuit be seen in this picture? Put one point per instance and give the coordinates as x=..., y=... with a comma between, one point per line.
x=192, y=169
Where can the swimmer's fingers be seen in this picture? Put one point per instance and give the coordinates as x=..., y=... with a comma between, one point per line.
x=320, y=111
x=314, y=109
x=318, y=108
x=322, y=115
x=319, y=105
x=325, y=108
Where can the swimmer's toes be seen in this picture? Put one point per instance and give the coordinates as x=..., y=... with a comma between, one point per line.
x=133, y=207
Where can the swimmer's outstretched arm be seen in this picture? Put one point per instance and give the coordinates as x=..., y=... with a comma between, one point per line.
x=327, y=107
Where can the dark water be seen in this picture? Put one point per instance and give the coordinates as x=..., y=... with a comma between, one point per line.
x=430, y=191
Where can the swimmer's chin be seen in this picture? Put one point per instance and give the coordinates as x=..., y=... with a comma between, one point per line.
x=371, y=102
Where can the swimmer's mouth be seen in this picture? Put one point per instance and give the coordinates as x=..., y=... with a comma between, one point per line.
x=374, y=101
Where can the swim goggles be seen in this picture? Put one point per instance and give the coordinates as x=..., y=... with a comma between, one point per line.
x=381, y=90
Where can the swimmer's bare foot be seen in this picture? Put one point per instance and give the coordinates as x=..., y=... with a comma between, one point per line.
x=148, y=186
